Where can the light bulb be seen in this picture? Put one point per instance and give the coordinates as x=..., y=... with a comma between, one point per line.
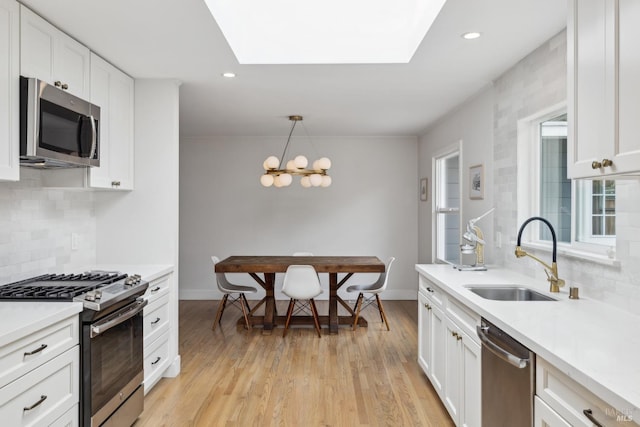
x=315, y=179
x=285, y=179
x=291, y=165
x=326, y=181
x=305, y=182
x=271, y=162
x=277, y=181
x=324, y=163
x=301, y=162
x=266, y=180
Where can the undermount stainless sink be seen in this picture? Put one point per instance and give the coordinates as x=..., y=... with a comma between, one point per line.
x=509, y=293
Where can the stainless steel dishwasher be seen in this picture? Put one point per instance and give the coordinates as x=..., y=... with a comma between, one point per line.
x=508, y=379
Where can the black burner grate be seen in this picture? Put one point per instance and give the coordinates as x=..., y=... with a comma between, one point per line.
x=60, y=287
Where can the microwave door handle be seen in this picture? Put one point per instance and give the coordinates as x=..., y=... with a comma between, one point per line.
x=94, y=137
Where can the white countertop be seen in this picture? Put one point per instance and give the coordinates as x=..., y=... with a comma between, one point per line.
x=21, y=318
x=594, y=343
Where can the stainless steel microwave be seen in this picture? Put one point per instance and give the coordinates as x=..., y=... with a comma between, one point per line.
x=57, y=129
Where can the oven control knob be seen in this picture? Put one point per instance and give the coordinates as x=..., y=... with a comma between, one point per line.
x=90, y=296
x=98, y=293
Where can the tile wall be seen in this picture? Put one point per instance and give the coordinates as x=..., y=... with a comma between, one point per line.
x=36, y=226
x=535, y=83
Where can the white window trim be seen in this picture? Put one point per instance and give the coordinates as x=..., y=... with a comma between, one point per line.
x=449, y=151
x=529, y=198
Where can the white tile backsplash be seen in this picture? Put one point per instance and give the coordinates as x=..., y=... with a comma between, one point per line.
x=36, y=225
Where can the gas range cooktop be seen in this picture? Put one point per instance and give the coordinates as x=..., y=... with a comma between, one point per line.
x=95, y=289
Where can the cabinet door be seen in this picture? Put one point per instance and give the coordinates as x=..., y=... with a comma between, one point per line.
x=591, y=106
x=544, y=416
x=627, y=149
x=50, y=55
x=9, y=90
x=471, y=393
x=71, y=65
x=112, y=91
x=438, y=349
x=424, y=334
x=452, y=380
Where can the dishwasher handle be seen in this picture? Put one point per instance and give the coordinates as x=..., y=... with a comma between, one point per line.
x=499, y=351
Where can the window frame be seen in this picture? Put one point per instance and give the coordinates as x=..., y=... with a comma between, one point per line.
x=450, y=151
x=528, y=193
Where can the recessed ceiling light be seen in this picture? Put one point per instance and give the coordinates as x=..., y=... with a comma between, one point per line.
x=228, y=75
x=471, y=35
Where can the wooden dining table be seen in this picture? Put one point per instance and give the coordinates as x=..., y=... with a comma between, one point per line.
x=268, y=266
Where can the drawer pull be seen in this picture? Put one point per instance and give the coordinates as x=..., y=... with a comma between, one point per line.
x=158, y=359
x=589, y=414
x=430, y=290
x=155, y=321
x=115, y=183
x=38, y=403
x=156, y=289
x=37, y=350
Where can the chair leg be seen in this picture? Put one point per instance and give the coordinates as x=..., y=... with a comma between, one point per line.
x=357, y=310
x=246, y=303
x=221, y=306
x=314, y=311
x=289, y=312
x=243, y=302
x=383, y=316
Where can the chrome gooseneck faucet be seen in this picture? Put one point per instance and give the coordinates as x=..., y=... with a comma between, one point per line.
x=552, y=270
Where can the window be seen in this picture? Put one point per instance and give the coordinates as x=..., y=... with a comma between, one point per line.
x=582, y=212
x=447, y=208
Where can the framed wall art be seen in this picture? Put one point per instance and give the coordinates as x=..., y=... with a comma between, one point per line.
x=424, y=189
x=476, y=182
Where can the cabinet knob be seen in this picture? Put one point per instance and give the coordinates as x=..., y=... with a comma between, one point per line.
x=115, y=183
x=458, y=337
x=57, y=83
x=454, y=334
x=65, y=86
x=605, y=163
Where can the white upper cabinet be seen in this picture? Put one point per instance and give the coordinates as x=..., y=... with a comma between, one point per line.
x=113, y=92
x=603, y=64
x=50, y=55
x=9, y=90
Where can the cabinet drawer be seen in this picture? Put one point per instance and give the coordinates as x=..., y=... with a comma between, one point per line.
x=49, y=390
x=569, y=399
x=68, y=419
x=433, y=292
x=465, y=319
x=157, y=288
x=156, y=360
x=25, y=354
x=156, y=318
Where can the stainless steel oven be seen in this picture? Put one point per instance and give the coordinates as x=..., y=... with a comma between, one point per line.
x=112, y=366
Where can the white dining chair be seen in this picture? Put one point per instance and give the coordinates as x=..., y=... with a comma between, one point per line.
x=227, y=289
x=375, y=289
x=301, y=284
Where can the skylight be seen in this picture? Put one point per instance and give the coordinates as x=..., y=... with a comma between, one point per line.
x=324, y=31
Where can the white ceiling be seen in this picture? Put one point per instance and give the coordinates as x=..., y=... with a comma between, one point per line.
x=180, y=39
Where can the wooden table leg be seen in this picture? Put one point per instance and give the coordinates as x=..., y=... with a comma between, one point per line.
x=270, y=303
x=333, y=303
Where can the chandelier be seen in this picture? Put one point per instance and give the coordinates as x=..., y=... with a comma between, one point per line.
x=274, y=175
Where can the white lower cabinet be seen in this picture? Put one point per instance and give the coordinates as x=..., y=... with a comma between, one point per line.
x=560, y=401
x=157, y=329
x=43, y=395
x=544, y=416
x=449, y=353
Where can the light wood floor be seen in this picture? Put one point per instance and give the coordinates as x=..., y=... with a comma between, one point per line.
x=233, y=378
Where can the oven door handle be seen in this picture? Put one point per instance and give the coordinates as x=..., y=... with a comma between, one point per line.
x=117, y=318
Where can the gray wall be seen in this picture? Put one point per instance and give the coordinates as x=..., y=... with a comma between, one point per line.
x=370, y=209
